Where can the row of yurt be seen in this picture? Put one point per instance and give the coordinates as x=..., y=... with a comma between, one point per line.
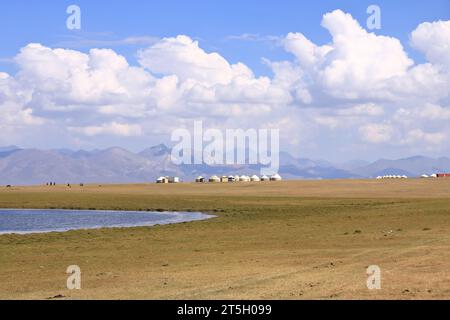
x=434, y=175
x=243, y=178
x=392, y=177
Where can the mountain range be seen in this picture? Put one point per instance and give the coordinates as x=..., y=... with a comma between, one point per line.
x=117, y=165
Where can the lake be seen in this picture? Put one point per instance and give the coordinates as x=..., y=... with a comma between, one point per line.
x=25, y=221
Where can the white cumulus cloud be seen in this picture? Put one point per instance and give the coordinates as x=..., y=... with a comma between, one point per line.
x=362, y=86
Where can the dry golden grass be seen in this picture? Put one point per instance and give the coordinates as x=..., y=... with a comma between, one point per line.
x=284, y=240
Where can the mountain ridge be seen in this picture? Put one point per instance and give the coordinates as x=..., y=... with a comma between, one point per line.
x=21, y=166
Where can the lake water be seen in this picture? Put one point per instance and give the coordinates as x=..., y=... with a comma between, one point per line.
x=38, y=221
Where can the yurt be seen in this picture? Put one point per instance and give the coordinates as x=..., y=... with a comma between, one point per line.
x=200, y=179
x=265, y=178
x=174, y=180
x=255, y=178
x=424, y=176
x=224, y=179
x=275, y=177
x=162, y=180
x=237, y=178
x=214, y=179
x=434, y=175
x=244, y=178
x=231, y=179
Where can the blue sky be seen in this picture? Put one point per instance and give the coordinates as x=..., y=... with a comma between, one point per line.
x=396, y=113
x=211, y=22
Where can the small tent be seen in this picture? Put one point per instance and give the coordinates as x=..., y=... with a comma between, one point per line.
x=275, y=177
x=174, y=180
x=214, y=179
x=244, y=178
x=162, y=180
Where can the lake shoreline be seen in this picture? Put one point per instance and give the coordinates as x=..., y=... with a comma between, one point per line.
x=172, y=218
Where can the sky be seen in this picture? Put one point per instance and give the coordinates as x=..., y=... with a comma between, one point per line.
x=138, y=70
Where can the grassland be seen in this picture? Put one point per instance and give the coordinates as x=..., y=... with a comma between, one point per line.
x=280, y=240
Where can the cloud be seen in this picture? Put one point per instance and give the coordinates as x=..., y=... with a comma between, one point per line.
x=432, y=38
x=66, y=80
x=183, y=57
x=355, y=65
x=86, y=42
x=376, y=133
x=418, y=135
x=114, y=128
x=368, y=109
x=254, y=37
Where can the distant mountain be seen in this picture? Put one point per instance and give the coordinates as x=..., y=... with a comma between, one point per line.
x=117, y=165
x=160, y=150
x=6, y=151
x=9, y=148
x=413, y=166
x=351, y=165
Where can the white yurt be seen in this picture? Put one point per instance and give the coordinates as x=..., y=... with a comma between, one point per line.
x=237, y=178
x=231, y=179
x=275, y=177
x=214, y=179
x=162, y=180
x=434, y=175
x=244, y=178
x=265, y=178
x=255, y=178
x=174, y=180
x=424, y=176
x=200, y=179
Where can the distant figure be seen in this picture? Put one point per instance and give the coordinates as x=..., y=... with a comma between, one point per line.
x=8, y=186
x=69, y=185
x=81, y=184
